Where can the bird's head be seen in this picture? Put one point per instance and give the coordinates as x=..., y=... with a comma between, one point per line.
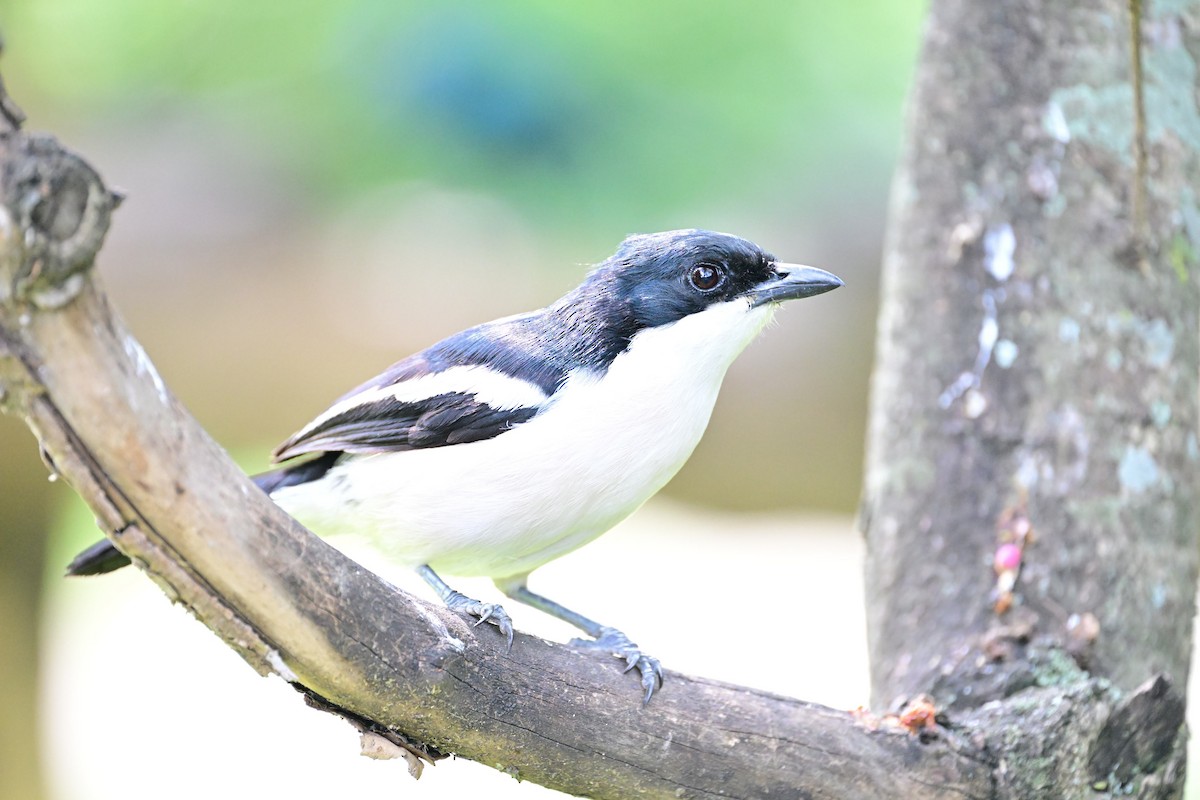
x=706, y=294
x=670, y=275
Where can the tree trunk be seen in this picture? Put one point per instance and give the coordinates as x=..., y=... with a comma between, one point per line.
x=1036, y=382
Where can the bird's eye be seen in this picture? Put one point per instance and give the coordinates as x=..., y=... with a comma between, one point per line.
x=705, y=277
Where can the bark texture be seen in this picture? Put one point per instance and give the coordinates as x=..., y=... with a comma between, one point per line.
x=1037, y=357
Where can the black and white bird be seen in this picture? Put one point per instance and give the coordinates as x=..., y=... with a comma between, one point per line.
x=514, y=442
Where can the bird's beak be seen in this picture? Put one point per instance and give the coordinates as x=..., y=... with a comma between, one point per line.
x=792, y=281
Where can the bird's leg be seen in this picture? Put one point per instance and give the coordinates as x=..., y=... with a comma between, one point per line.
x=457, y=601
x=604, y=638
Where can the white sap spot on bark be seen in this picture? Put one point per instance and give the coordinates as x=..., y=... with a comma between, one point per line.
x=439, y=627
x=6, y=233
x=1006, y=353
x=145, y=367
x=1054, y=122
x=989, y=333
x=974, y=404
x=955, y=390
x=281, y=669
x=999, y=244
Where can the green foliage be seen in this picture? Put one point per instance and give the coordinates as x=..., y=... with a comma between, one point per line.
x=570, y=110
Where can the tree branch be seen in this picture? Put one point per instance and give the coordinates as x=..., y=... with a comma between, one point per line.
x=1030, y=502
x=171, y=499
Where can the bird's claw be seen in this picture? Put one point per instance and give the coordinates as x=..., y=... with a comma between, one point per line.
x=483, y=612
x=618, y=644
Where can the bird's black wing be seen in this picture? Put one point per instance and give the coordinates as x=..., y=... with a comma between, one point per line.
x=473, y=386
x=388, y=424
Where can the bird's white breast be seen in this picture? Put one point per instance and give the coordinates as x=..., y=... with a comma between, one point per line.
x=503, y=506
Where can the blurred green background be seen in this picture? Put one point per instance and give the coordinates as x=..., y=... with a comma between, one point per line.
x=316, y=189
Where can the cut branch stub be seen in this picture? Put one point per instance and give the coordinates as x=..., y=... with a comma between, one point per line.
x=60, y=208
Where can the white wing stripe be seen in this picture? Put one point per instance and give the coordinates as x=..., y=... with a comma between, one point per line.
x=493, y=388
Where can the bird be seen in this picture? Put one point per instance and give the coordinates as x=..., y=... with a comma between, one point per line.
x=514, y=442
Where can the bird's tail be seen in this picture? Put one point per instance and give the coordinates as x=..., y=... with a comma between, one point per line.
x=103, y=557
x=98, y=559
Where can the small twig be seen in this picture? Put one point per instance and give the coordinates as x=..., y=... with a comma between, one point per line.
x=1140, y=220
x=10, y=113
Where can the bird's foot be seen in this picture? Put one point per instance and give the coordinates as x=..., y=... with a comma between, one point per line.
x=483, y=612
x=618, y=644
